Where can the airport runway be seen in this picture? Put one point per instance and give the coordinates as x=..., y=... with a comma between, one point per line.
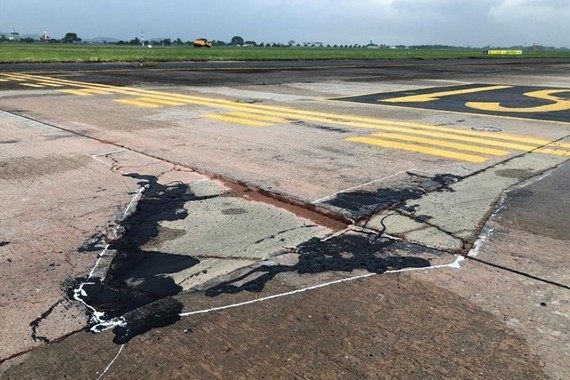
x=285, y=220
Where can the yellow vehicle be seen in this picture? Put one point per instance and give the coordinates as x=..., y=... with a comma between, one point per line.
x=202, y=42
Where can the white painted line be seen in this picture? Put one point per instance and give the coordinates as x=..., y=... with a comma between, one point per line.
x=455, y=265
x=485, y=235
x=112, y=361
x=365, y=184
x=108, y=153
x=96, y=156
x=135, y=198
x=78, y=293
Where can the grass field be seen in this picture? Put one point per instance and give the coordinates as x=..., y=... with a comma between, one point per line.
x=28, y=53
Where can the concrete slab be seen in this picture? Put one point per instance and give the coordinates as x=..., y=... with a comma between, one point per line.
x=527, y=232
x=226, y=227
x=461, y=210
x=536, y=311
x=391, y=326
x=343, y=306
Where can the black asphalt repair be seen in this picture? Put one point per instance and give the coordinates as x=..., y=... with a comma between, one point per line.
x=137, y=288
x=135, y=280
x=343, y=253
x=358, y=205
x=512, y=97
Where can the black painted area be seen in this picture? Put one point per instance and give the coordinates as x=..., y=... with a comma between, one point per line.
x=510, y=97
x=157, y=314
x=137, y=277
x=343, y=253
x=360, y=204
x=3, y=243
x=95, y=243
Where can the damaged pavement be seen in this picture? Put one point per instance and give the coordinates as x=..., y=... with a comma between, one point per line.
x=126, y=257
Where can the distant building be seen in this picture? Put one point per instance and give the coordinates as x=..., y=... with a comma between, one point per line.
x=45, y=37
x=14, y=36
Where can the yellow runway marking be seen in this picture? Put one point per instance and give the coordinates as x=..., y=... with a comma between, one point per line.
x=47, y=84
x=32, y=85
x=76, y=92
x=558, y=104
x=160, y=102
x=15, y=78
x=236, y=120
x=259, y=117
x=418, y=148
x=437, y=95
x=138, y=103
x=95, y=91
x=416, y=133
x=445, y=144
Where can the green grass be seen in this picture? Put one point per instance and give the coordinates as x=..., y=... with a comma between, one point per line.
x=36, y=53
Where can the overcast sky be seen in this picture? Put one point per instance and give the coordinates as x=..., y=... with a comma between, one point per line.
x=409, y=22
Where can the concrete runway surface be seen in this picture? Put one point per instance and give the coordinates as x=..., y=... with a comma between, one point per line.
x=285, y=220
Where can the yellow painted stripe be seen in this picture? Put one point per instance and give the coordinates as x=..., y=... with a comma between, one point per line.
x=472, y=140
x=95, y=91
x=32, y=85
x=351, y=121
x=446, y=144
x=4, y=80
x=236, y=120
x=259, y=117
x=138, y=103
x=76, y=92
x=161, y=101
x=50, y=84
x=16, y=79
x=436, y=95
x=418, y=149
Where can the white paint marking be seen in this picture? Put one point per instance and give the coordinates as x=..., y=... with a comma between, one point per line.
x=364, y=184
x=96, y=156
x=455, y=265
x=112, y=362
x=488, y=229
x=102, y=324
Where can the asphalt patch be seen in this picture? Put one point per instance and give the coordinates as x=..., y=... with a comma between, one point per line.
x=361, y=204
x=343, y=253
x=157, y=314
x=137, y=277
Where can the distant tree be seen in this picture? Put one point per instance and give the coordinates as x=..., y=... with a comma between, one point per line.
x=135, y=41
x=252, y=43
x=237, y=40
x=27, y=40
x=166, y=42
x=178, y=42
x=70, y=38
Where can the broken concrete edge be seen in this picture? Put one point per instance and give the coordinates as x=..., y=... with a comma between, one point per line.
x=456, y=244
x=488, y=227
x=485, y=228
